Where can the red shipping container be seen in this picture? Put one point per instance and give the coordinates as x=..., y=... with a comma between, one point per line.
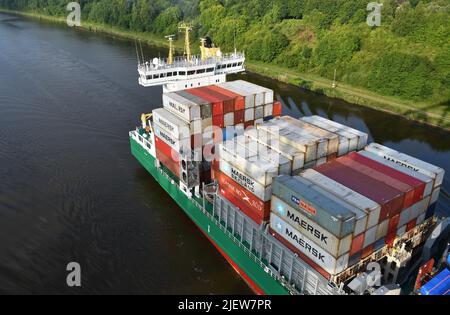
x=411, y=225
x=228, y=101
x=390, y=238
x=256, y=209
x=393, y=224
x=249, y=124
x=239, y=100
x=389, y=199
x=407, y=191
x=239, y=117
x=167, y=161
x=218, y=121
x=302, y=256
x=167, y=150
x=216, y=102
x=357, y=244
x=417, y=186
x=367, y=251
x=277, y=109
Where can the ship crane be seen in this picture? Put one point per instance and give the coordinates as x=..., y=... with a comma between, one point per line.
x=145, y=122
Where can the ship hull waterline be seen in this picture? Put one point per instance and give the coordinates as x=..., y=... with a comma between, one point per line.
x=257, y=279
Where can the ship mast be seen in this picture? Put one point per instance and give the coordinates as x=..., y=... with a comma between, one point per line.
x=170, y=58
x=187, y=44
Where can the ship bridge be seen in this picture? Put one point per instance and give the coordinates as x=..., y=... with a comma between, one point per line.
x=162, y=72
x=189, y=71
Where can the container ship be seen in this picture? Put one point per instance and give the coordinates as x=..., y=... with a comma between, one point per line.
x=296, y=206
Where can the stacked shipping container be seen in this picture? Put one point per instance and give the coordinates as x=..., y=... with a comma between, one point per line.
x=340, y=212
x=327, y=203
x=282, y=146
x=190, y=119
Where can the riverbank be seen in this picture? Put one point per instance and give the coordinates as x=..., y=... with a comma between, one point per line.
x=437, y=115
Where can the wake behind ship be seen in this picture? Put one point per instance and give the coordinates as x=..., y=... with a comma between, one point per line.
x=296, y=206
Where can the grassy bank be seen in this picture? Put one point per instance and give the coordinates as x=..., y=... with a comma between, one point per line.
x=432, y=114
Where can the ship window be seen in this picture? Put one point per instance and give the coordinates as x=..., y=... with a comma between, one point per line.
x=234, y=64
x=149, y=77
x=169, y=74
x=210, y=70
x=219, y=66
x=229, y=65
x=156, y=76
x=240, y=64
x=175, y=73
x=182, y=72
x=201, y=71
x=191, y=72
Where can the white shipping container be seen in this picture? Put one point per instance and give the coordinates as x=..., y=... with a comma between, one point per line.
x=352, y=197
x=236, y=88
x=321, y=161
x=382, y=229
x=347, y=142
x=401, y=230
x=287, y=136
x=333, y=139
x=370, y=236
x=268, y=110
x=182, y=107
x=296, y=156
x=320, y=236
x=261, y=192
x=435, y=195
x=418, y=208
x=176, y=126
x=260, y=170
x=174, y=143
x=228, y=119
x=420, y=219
x=258, y=120
x=322, y=143
x=259, y=91
x=259, y=112
x=249, y=114
x=426, y=179
x=319, y=256
x=407, y=161
x=266, y=153
x=405, y=216
x=362, y=137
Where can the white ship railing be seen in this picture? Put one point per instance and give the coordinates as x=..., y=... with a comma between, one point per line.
x=196, y=61
x=146, y=145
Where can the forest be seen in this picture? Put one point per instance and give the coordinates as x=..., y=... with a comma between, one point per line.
x=407, y=56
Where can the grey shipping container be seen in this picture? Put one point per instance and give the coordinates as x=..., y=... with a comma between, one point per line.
x=304, y=196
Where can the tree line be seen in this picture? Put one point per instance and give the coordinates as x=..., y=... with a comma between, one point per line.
x=407, y=56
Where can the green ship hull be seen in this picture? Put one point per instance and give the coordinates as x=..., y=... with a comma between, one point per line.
x=236, y=254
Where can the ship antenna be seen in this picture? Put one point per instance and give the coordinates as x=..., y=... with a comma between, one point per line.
x=137, y=53
x=142, y=51
x=235, y=50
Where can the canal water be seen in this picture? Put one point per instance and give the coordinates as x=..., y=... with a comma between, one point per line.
x=70, y=191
